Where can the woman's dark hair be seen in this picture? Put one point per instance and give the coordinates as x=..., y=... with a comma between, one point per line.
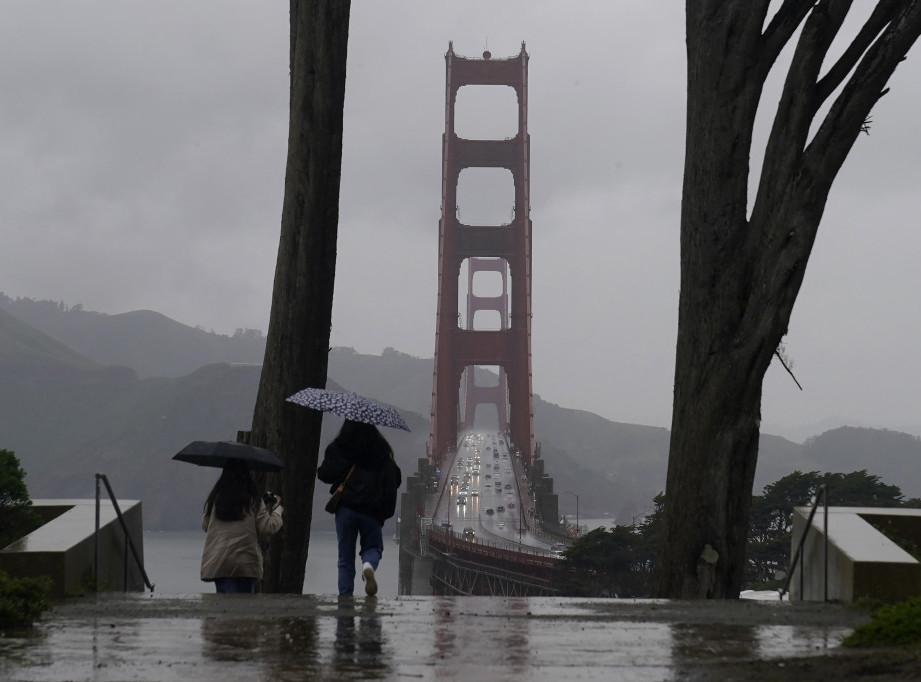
x=365, y=438
x=233, y=494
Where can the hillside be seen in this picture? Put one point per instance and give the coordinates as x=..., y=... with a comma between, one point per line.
x=150, y=343
x=68, y=417
x=23, y=347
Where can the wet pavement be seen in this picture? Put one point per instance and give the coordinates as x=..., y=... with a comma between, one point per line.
x=278, y=637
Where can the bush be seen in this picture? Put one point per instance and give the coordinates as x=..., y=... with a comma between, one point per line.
x=893, y=624
x=22, y=600
x=17, y=517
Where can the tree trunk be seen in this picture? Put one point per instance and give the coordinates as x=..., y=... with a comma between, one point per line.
x=740, y=275
x=297, y=343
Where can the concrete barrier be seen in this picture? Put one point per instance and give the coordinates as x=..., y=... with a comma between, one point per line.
x=862, y=561
x=64, y=548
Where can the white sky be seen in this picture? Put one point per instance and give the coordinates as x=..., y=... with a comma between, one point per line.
x=142, y=152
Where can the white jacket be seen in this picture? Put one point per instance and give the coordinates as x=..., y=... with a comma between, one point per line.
x=232, y=547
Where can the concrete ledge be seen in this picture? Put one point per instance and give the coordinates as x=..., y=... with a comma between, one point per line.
x=862, y=561
x=64, y=547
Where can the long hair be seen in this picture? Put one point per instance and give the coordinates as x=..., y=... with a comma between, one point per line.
x=233, y=494
x=361, y=437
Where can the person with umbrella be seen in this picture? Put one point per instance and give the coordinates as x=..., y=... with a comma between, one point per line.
x=234, y=517
x=361, y=460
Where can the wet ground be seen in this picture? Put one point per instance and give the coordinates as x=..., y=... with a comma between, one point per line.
x=274, y=637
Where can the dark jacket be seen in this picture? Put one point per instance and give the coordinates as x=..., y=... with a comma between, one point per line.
x=372, y=487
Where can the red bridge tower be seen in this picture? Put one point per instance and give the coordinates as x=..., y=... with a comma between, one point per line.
x=505, y=249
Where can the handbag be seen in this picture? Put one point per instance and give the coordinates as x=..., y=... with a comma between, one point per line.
x=333, y=504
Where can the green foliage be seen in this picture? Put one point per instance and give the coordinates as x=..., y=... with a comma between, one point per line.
x=17, y=517
x=22, y=600
x=12, y=486
x=893, y=624
x=616, y=562
x=897, y=533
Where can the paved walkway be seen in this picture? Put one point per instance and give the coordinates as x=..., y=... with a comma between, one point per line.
x=275, y=637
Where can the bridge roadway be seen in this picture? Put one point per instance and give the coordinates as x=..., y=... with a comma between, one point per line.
x=484, y=488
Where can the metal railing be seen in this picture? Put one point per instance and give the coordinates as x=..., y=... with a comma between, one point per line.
x=821, y=494
x=128, y=541
x=448, y=541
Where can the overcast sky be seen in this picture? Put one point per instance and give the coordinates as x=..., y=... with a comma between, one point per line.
x=142, y=154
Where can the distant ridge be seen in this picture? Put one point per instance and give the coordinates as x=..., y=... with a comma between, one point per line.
x=151, y=344
x=68, y=416
x=22, y=345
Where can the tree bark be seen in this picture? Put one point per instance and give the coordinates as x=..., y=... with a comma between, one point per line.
x=740, y=274
x=297, y=343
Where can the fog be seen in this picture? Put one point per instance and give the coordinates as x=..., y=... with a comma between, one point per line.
x=142, y=154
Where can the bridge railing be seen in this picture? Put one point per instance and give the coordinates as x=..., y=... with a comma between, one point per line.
x=446, y=540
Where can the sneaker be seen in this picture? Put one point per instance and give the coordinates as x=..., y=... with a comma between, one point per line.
x=367, y=573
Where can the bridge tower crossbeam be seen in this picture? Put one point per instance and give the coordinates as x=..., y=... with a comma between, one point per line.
x=502, y=248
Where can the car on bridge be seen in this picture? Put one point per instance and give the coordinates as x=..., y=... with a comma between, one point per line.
x=511, y=505
x=490, y=511
x=469, y=534
x=461, y=499
x=500, y=508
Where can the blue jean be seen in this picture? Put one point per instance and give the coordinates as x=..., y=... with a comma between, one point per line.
x=235, y=585
x=350, y=524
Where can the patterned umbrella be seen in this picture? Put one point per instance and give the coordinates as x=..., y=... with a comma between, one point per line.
x=208, y=453
x=349, y=405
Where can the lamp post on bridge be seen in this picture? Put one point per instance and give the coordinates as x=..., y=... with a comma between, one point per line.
x=576, y=495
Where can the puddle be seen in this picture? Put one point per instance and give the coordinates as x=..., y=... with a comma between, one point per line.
x=427, y=638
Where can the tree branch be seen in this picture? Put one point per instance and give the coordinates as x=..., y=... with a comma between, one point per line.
x=789, y=371
x=797, y=108
x=782, y=27
x=867, y=84
x=881, y=16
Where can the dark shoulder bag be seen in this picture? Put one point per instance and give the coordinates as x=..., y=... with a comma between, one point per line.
x=333, y=503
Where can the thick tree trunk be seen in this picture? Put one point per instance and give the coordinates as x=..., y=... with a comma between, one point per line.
x=299, y=327
x=740, y=275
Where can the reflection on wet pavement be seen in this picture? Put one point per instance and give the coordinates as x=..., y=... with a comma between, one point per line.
x=275, y=637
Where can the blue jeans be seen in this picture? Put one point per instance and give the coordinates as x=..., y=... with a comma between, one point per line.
x=235, y=585
x=349, y=526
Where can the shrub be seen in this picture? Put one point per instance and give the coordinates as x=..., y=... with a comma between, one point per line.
x=893, y=624
x=22, y=600
x=17, y=517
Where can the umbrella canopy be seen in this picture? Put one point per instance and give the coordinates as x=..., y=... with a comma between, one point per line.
x=218, y=453
x=349, y=405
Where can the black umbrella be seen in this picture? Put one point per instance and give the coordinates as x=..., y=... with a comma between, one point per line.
x=208, y=453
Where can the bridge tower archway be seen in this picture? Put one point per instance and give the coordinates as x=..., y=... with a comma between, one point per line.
x=503, y=248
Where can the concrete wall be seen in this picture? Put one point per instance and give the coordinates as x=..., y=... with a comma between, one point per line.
x=862, y=561
x=65, y=549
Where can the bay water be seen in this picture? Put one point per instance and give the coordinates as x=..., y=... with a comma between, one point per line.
x=172, y=560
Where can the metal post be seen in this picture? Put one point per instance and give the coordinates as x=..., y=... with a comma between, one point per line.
x=576, y=495
x=96, y=538
x=825, y=542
